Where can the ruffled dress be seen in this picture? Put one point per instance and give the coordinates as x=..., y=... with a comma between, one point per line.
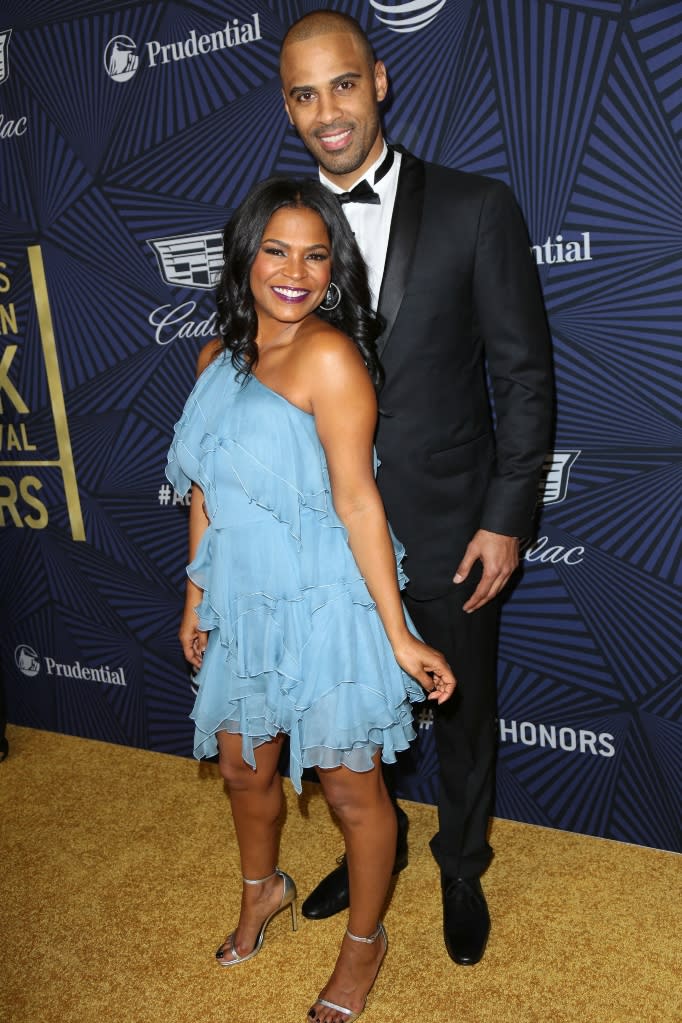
x=295, y=641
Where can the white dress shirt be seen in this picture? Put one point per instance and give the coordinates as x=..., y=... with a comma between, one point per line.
x=371, y=224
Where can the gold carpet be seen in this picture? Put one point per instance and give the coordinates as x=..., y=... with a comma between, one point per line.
x=119, y=877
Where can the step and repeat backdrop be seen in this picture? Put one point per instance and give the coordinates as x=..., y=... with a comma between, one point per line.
x=129, y=131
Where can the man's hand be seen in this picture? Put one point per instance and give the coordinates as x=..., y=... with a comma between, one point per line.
x=499, y=556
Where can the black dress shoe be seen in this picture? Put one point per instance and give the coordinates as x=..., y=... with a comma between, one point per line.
x=466, y=920
x=332, y=894
x=401, y=842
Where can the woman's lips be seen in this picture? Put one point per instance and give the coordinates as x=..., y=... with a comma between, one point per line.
x=291, y=294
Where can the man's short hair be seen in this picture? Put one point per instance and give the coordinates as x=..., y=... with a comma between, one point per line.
x=323, y=22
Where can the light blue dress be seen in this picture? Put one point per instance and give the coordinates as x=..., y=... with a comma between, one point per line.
x=296, y=644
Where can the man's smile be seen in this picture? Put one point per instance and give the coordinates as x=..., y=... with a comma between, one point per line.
x=336, y=139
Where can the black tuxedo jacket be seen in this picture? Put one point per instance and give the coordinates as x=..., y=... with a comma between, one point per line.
x=459, y=296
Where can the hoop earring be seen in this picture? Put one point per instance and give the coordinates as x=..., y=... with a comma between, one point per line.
x=332, y=298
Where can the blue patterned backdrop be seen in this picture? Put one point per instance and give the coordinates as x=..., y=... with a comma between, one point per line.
x=128, y=133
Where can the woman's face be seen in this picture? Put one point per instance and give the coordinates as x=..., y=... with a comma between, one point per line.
x=292, y=270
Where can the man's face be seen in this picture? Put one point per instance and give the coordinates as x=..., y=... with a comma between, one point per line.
x=331, y=95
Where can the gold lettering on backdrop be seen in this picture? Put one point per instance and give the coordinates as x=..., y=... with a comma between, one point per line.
x=6, y=384
x=8, y=318
x=15, y=436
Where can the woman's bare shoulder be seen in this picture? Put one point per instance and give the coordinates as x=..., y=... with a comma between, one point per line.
x=208, y=354
x=335, y=370
x=326, y=344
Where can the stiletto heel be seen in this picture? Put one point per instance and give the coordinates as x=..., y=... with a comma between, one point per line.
x=288, y=899
x=349, y=1015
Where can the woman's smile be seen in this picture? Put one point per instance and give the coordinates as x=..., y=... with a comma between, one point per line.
x=291, y=272
x=290, y=294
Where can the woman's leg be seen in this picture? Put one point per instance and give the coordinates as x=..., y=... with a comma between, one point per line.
x=256, y=800
x=368, y=823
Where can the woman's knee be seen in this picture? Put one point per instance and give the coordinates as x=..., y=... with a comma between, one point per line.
x=352, y=795
x=237, y=773
x=240, y=776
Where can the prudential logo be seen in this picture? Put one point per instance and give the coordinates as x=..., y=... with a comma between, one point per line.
x=407, y=15
x=27, y=660
x=120, y=58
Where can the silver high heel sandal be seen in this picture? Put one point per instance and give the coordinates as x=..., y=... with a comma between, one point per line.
x=288, y=899
x=348, y=1014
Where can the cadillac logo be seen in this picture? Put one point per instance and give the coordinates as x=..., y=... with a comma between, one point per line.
x=555, y=474
x=4, y=46
x=189, y=260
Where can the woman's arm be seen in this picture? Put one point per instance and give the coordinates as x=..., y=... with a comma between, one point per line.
x=345, y=409
x=192, y=638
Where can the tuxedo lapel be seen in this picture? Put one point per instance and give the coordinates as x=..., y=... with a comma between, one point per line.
x=405, y=222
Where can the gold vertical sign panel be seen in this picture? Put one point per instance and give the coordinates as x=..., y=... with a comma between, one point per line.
x=64, y=461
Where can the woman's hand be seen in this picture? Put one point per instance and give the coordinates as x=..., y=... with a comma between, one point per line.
x=427, y=666
x=192, y=638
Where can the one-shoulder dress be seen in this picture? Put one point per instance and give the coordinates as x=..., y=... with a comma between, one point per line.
x=295, y=641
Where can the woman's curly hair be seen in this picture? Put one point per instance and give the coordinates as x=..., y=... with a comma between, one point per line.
x=237, y=320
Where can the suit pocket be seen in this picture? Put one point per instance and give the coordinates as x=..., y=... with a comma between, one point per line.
x=473, y=456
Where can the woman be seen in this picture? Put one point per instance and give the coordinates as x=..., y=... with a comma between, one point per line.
x=293, y=611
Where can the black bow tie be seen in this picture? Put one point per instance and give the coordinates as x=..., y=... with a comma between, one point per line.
x=363, y=191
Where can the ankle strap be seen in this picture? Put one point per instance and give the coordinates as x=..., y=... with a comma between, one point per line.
x=367, y=941
x=261, y=880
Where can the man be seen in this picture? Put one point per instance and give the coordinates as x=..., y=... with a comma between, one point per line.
x=453, y=278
